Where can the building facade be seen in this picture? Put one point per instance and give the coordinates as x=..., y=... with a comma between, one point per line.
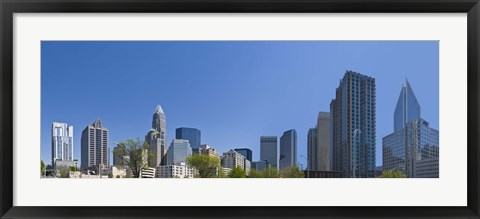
x=206, y=149
x=413, y=147
x=156, y=138
x=94, y=142
x=178, y=152
x=232, y=159
x=193, y=135
x=353, y=126
x=269, y=150
x=62, y=142
x=288, y=149
x=312, y=154
x=176, y=171
x=147, y=172
x=247, y=153
x=323, y=156
x=260, y=165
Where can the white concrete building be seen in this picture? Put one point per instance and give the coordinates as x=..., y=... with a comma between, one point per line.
x=147, y=172
x=232, y=159
x=176, y=171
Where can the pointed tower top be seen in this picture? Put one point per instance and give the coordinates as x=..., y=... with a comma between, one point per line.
x=159, y=109
x=97, y=123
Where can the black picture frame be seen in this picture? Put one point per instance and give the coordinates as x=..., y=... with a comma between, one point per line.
x=9, y=7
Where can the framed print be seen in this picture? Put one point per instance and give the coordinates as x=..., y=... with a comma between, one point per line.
x=245, y=109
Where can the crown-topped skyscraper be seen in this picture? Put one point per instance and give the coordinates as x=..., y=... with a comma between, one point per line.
x=408, y=108
x=156, y=138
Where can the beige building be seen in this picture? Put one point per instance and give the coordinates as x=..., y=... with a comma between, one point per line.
x=206, y=149
x=232, y=159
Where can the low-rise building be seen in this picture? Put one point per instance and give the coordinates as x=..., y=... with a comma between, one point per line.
x=232, y=159
x=176, y=171
x=147, y=172
x=260, y=165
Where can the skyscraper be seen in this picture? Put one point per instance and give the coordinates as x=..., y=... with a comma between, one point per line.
x=407, y=108
x=353, y=126
x=156, y=138
x=323, y=142
x=178, y=152
x=247, y=153
x=193, y=135
x=413, y=147
x=95, y=145
x=62, y=142
x=312, y=155
x=288, y=149
x=268, y=149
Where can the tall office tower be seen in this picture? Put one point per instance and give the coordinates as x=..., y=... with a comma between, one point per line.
x=178, y=152
x=62, y=142
x=288, y=149
x=353, y=126
x=323, y=142
x=232, y=159
x=157, y=147
x=312, y=155
x=413, y=147
x=247, y=153
x=193, y=135
x=156, y=139
x=268, y=150
x=95, y=145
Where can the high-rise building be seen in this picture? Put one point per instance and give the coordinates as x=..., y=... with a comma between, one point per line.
x=193, y=135
x=269, y=149
x=260, y=165
x=95, y=146
x=323, y=142
x=232, y=159
x=353, y=126
x=178, y=152
x=312, y=149
x=247, y=153
x=288, y=149
x=62, y=142
x=413, y=147
x=156, y=138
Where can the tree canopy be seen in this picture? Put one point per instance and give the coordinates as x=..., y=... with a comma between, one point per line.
x=137, y=153
x=393, y=174
x=293, y=172
x=237, y=172
x=207, y=166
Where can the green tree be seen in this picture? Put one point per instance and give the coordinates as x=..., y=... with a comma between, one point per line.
x=293, y=172
x=137, y=153
x=206, y=165
x=237, y=172
x=73, y=168
x=270, y=172
x=255, y=174
x=42, y=168
x=393, y=174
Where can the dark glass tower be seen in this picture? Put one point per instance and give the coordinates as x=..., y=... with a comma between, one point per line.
x=193, y=135
x=247, y=153
x=288, y=149
x=353, y=126
x=407, y=108
x=268, y=149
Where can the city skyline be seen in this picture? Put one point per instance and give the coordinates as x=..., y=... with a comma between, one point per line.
x=238, y=132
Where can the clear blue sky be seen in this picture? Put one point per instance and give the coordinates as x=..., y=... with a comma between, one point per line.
x=233, y=91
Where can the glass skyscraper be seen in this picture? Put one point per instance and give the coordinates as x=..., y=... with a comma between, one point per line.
x=178, y=152
x=62, y=142
x=288, y=149
x=193, y=135
x=353, y=126
x=413, y=147
x=269, y=149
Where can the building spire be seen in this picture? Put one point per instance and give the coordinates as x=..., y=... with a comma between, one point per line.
x=159, y=109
